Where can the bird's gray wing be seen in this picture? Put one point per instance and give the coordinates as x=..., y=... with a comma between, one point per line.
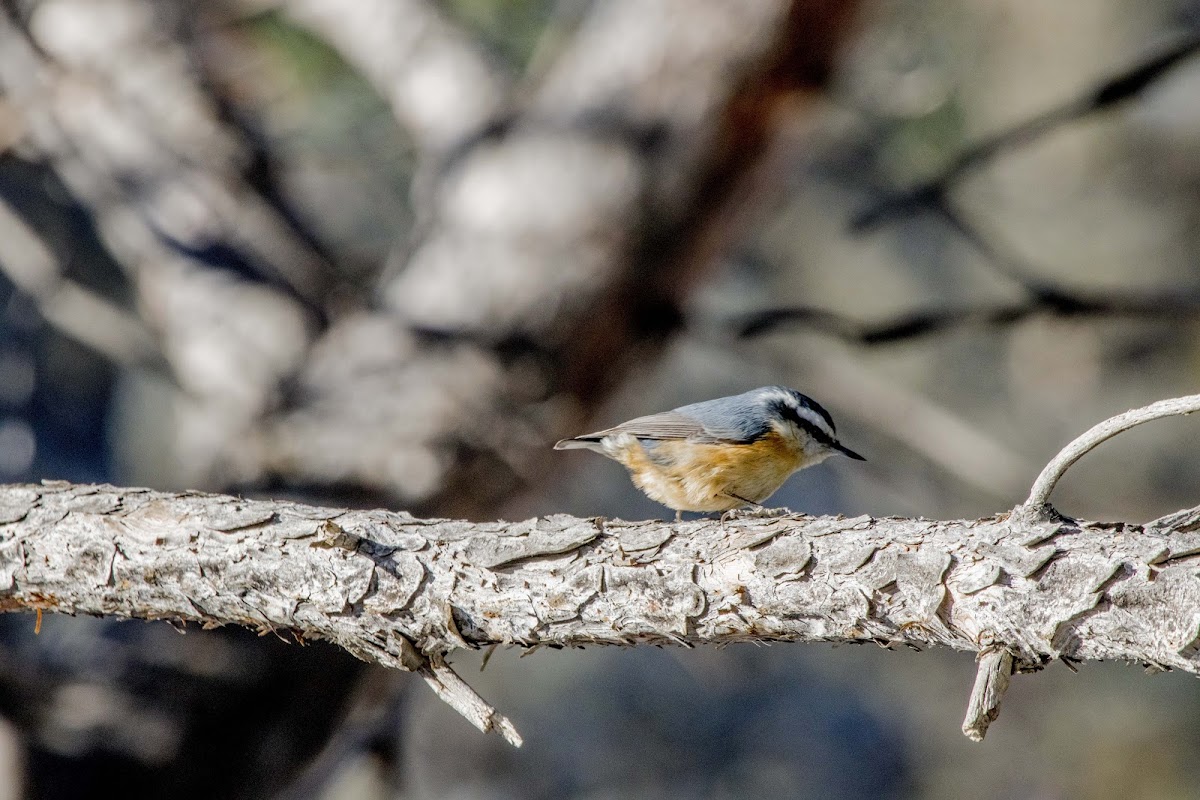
x=671, y=425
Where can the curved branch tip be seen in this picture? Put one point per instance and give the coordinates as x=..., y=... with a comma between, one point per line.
x=1038, y=503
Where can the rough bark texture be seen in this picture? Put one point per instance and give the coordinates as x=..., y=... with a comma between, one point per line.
x=375, y=582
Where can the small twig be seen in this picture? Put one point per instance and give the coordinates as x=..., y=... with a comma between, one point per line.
x=1039, y=495
x=487, y=656
x=991, y=682
x=452, y=689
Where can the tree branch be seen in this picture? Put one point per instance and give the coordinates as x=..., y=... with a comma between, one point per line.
x=73, y=309
x=934, y=195
x=1042, y=298
x=928, y=322
x=991, y=682
x=404, y=592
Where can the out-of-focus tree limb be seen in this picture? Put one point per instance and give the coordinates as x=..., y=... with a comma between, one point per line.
x=1124, y=86
x=1042, y=298
x=107, y=96
x=1167, y=307
x=78, y=312
x=441, y=86
x=225, y=287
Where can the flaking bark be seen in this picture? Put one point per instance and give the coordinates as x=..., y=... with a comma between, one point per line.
x=402, y=591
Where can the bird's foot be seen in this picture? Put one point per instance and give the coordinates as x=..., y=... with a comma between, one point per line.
x=751, y=510
x=755, y=512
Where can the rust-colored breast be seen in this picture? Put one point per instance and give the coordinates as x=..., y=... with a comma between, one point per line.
x=710, y=477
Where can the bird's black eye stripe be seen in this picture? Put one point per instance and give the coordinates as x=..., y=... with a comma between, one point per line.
x=789, y=413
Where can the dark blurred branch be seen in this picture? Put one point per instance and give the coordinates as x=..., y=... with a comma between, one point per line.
x=1042, y=298
x=918, y=324
x=1113, y=91
x=36, y=262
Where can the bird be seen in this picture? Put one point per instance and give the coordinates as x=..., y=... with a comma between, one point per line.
x=720, y=455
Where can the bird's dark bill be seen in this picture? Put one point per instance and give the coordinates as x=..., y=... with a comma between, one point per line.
x=841, y=448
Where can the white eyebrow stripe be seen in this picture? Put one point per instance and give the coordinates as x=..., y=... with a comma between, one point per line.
x=804, y=412
x=816, y=419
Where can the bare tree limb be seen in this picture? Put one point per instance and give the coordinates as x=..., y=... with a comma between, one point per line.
x=404, y=592
x=1021, y=589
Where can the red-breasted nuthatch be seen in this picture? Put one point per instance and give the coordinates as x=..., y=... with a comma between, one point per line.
x=720, y=454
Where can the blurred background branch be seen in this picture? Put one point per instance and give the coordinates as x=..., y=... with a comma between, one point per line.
x=1127, y=85
x=442, y=87
x=1169, y=306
